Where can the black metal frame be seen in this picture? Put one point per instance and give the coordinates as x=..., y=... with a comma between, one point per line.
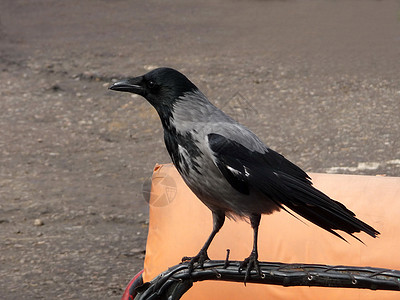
x=176, y=281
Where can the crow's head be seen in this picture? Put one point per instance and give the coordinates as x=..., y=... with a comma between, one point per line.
x=161, y=87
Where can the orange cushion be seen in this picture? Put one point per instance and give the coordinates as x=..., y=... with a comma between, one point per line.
x=180, y=224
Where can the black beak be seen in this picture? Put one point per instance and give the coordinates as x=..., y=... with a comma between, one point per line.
x=131, y=85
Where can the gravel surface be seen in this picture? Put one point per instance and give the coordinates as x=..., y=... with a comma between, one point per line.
x=316, y=80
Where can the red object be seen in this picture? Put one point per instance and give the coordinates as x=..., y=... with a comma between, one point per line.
x=179, y=224
x=130, y=290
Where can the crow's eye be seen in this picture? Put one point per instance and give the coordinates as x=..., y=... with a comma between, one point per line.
x=151, y=84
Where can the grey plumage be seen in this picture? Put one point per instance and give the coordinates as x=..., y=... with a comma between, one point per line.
x=227, y=166
x=195, y=114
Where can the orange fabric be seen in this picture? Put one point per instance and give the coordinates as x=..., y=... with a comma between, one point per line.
x=180, y=224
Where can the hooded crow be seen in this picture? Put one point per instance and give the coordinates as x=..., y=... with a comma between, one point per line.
x=228, y=167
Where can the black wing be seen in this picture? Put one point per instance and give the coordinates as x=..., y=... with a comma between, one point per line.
x=284, y=183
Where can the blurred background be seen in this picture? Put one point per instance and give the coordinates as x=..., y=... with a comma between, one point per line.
x=317, y=81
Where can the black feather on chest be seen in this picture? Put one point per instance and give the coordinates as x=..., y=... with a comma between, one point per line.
x=173, y=141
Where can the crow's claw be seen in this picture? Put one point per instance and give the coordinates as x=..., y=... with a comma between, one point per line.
x=200, y=258
x=249, y=264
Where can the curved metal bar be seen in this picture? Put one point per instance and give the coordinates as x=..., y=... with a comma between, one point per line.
x=176, y=281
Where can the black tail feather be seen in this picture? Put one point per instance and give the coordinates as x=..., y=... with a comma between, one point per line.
x=321, y=210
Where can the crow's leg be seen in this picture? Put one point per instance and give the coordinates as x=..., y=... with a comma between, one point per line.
x=252, y=261
x=202, y=256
